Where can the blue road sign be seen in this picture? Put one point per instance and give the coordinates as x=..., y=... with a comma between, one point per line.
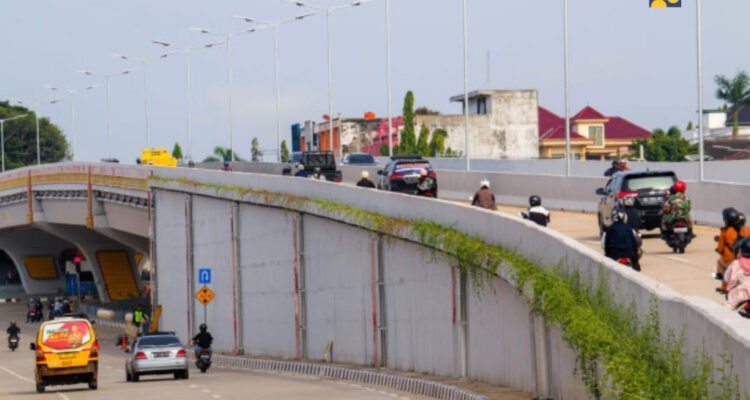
x=204, y=276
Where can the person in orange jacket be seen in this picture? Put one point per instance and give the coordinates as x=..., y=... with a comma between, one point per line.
x=733, y=230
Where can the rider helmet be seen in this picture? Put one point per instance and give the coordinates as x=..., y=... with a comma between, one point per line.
x=679, y=187
x=535, y=201
x=745, y=248
x=731, y=216
x=423, y=173
x=365, y=174
x=484, y=183
x=203, y=328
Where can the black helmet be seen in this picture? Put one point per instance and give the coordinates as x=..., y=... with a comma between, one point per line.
x=731, y=216
x=745, y=248
x=203, y=328
x=535, y=201
x=618, y=215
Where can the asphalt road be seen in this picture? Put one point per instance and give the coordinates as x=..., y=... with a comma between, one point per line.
x=17, y=374
x=688, y=274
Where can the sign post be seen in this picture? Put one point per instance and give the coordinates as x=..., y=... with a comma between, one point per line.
x=205, y=296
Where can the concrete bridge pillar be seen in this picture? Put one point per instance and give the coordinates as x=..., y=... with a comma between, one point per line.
x=38, y=249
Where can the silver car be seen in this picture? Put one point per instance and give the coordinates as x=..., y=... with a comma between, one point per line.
x=156, y=354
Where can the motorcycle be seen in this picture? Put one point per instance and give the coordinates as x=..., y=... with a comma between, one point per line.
x=13, y=342
x=203, y=361
x=679, y=238
x=34, y=314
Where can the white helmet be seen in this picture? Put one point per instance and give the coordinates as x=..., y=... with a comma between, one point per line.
x=365, y=174
x=484, y=183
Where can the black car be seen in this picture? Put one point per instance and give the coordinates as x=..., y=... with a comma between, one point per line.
x=646, y=192
x=323, y=160
x=402, y=175
x=361, y=159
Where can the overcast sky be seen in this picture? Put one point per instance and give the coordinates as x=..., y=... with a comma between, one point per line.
x=625, y=58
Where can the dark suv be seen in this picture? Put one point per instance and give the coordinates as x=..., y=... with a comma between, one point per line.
x=646, y=190
x=402, y=174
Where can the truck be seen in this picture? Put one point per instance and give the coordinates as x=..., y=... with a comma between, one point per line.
x=323, y=160
x=158, y=156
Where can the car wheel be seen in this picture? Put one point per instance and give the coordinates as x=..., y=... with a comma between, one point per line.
x=93, y=383
x=128, y=378
x=40, y=388
x=135, y=377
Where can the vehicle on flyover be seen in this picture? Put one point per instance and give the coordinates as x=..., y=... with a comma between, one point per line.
x=360, y=160
x=646, y=190
x=156, y=354
x=158, y=156
x=67, y=353
x=402, y=175
x=323, y=160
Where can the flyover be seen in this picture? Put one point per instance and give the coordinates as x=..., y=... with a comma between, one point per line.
x=312, y=270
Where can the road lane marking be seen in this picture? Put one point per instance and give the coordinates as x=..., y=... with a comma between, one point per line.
x=62, y=396
x=17, y=375
x=678, y=259
x=206, y=391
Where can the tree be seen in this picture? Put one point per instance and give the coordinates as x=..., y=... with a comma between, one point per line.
x=426, y=111
x=665, y=146
x=437, y=144
x=736, y=92
x=408, y=142
x=256, y=154
x=690, y=126
x=284, y=151
x=222, y=154
x=384, y=150
x=177, y=151
x=20, y=139
x=423, y=144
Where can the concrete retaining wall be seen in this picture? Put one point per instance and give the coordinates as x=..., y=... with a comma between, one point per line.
x=423, y=307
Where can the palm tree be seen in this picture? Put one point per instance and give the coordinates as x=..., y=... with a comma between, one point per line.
x=736, y=92
x=225, y=154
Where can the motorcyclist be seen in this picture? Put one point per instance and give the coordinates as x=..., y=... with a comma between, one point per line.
x=13, y=330
x=676, y=208
x=621, y=241
x=484, y=197
x=536, y=212
x=425, y=184
x=634, y=216
x=613, y=169
x=317, y=174
x=202, y=340
x=737, y=277
x=301, y=172
x=731, y=234
x=365, y=182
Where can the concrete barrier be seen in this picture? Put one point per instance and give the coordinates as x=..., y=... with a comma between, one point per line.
x=414, y=301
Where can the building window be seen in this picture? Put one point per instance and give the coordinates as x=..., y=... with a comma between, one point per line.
x=482, y=105
x=596, y=133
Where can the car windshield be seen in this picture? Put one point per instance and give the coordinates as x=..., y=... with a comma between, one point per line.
x=658, y=182
x=412, y=166
x=361, y=159
x=159, y=341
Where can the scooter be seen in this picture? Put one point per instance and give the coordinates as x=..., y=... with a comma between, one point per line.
x=13, y=342
x=203, y=361
x=680, y=237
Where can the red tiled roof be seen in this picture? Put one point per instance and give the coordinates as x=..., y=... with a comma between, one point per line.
x=559, y=134
x=588, y=112
x=620, y=128
x=552, y=126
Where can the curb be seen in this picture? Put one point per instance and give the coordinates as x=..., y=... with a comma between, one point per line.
x=401, y=383
x=10, y=300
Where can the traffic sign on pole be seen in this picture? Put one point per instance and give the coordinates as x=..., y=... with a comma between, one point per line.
x=204, y=276
x=205, y=295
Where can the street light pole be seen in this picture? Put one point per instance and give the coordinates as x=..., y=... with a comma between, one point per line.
x=466, y=84
x=2, y=136
x=699, y=39
x=329, y=11
x=186, y=51
x=71, y=96
x=568, y=154
x=388, y=74
x=144, y=64
x=275, y=27
x=107, y=78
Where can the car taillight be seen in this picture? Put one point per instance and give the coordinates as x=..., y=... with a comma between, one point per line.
x=432, y=174
x=337, y=179
x=628, y=194
x=181, y=353
x=140, y=356
x=95, y=349
x=396, y=175
x=40, y=356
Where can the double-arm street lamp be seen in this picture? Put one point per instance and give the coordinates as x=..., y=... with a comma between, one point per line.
x=72, y=98
x=107, y=77
x=35, y=109
x=186, y=51
x=329, y=11
x=274, y=25
x=2, y=135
